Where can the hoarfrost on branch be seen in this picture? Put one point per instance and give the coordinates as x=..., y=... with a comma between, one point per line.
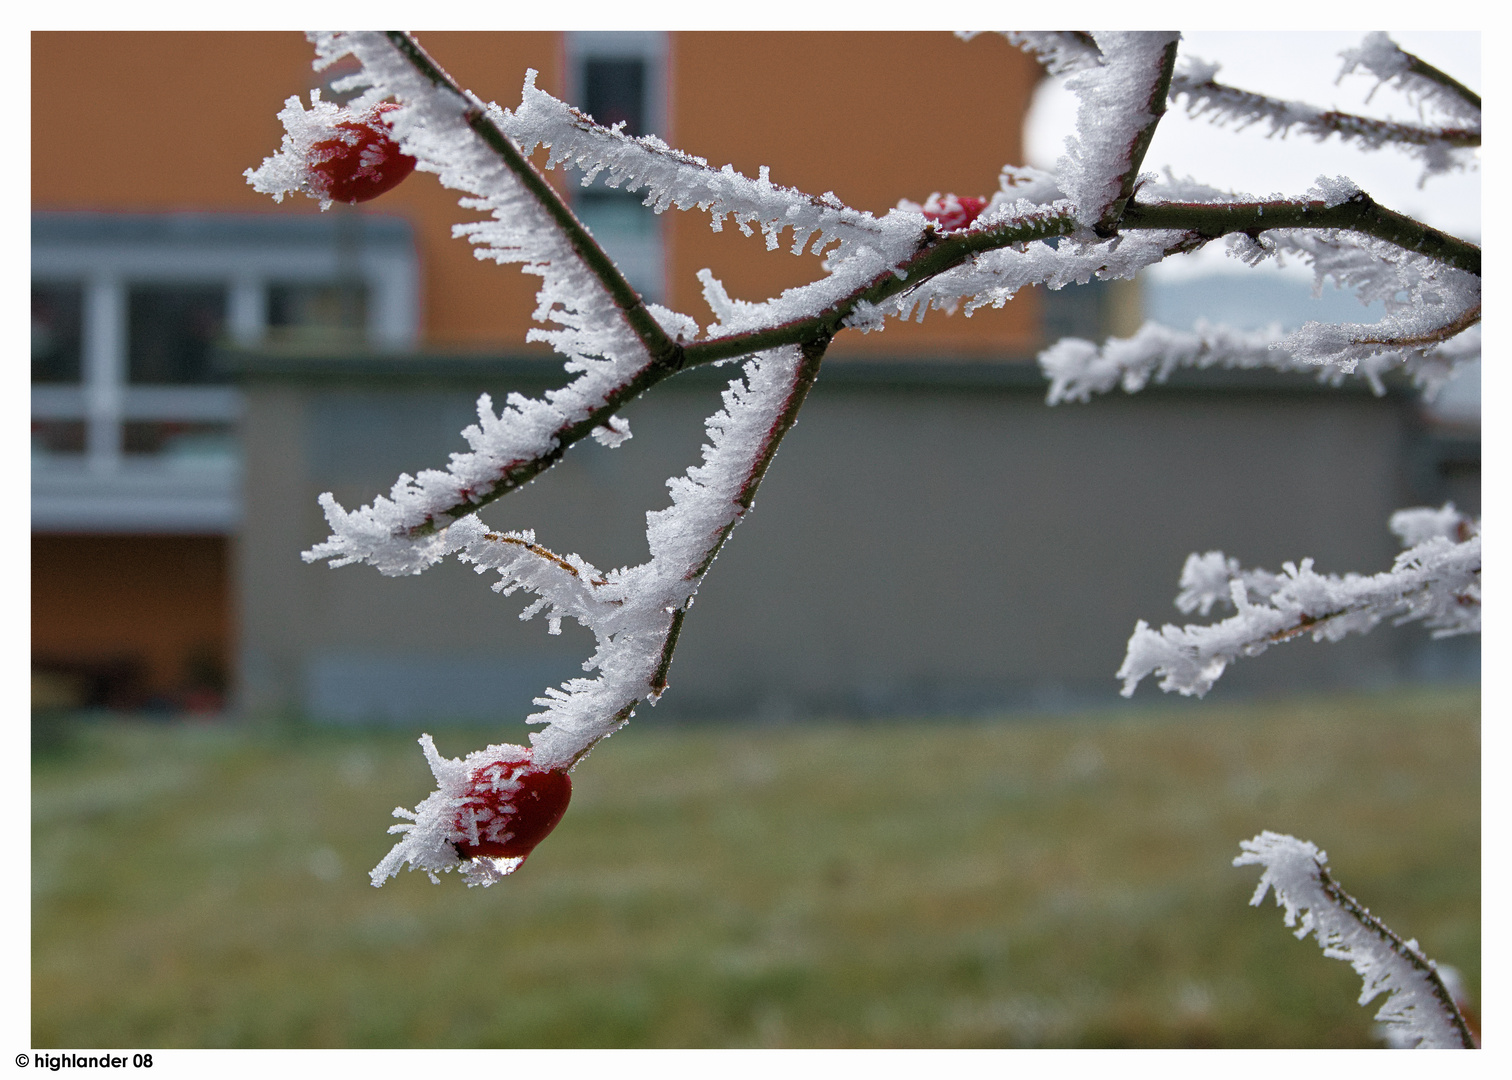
x=1419, y=1010
x=1097, y=217
x=1436, y=580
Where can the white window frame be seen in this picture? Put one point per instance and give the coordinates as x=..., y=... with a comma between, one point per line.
x=104, y=489
x=643, y=260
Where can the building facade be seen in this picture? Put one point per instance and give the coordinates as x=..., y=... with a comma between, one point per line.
x=205, y=363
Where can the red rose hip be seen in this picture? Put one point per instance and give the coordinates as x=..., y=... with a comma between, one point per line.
x=954, y=211
x=361, y=162
x=509, y=807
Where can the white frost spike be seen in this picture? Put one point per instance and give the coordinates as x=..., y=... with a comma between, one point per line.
x=1062, y=52
x=1024, y=182
x=1418, y=1011
x=1422, y=524
x=1436, y=580
x=1333, y=190
x=613, y=432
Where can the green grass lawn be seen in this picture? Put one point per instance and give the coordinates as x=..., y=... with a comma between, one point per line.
x=1056, y=882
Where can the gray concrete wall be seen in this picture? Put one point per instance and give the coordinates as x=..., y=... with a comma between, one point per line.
x=929, y=538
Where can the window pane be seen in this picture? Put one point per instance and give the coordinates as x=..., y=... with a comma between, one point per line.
x=57, y=437
x=173, y=329
x=179, y=440
x=615, y=91
x=614, y=216
x=317, y=313
x=57, y=332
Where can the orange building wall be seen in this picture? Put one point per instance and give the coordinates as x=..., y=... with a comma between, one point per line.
x=874, y=117
x=169, y=121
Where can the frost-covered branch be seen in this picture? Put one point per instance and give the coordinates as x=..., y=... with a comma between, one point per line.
x=1123, y=97
x=1436, y=581
x=993, y=277
x=1419, y=1010
x=672, y=178
x=1423, y=83
x=1080, y=224
x=1077, y=368
x=1440, y=148
x=1223, y=104
x=635, y=613
x=614, y=344
x=477, y=117
x=894, y=265
x=1357, y=212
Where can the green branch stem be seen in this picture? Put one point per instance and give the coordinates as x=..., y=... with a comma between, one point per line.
x=1418, y=66
x=1360, y=214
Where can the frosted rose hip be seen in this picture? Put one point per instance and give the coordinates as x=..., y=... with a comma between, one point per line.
x=954, y=211
x=362, y=162
x=510, y=807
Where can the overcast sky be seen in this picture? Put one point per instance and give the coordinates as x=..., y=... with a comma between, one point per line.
x=1300, y=66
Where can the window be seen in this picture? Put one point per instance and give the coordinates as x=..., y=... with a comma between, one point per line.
x=314, y=314
x=133, y=428
x=619, y=78
x=171, y=331
x=614, y=91
x=57, y=321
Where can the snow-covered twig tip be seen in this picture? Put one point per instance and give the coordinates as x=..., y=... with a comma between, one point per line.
x=1436, y=580
x=1419, y=1011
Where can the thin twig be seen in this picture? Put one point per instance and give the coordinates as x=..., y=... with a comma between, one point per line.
x=1414, y=957
x=544, y=553
x=1284, y=115
x=1419, y=66
x=803, y=380
x=1458, y=325
x=1360, y=213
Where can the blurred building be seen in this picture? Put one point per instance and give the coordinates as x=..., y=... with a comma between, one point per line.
x=205, y=363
